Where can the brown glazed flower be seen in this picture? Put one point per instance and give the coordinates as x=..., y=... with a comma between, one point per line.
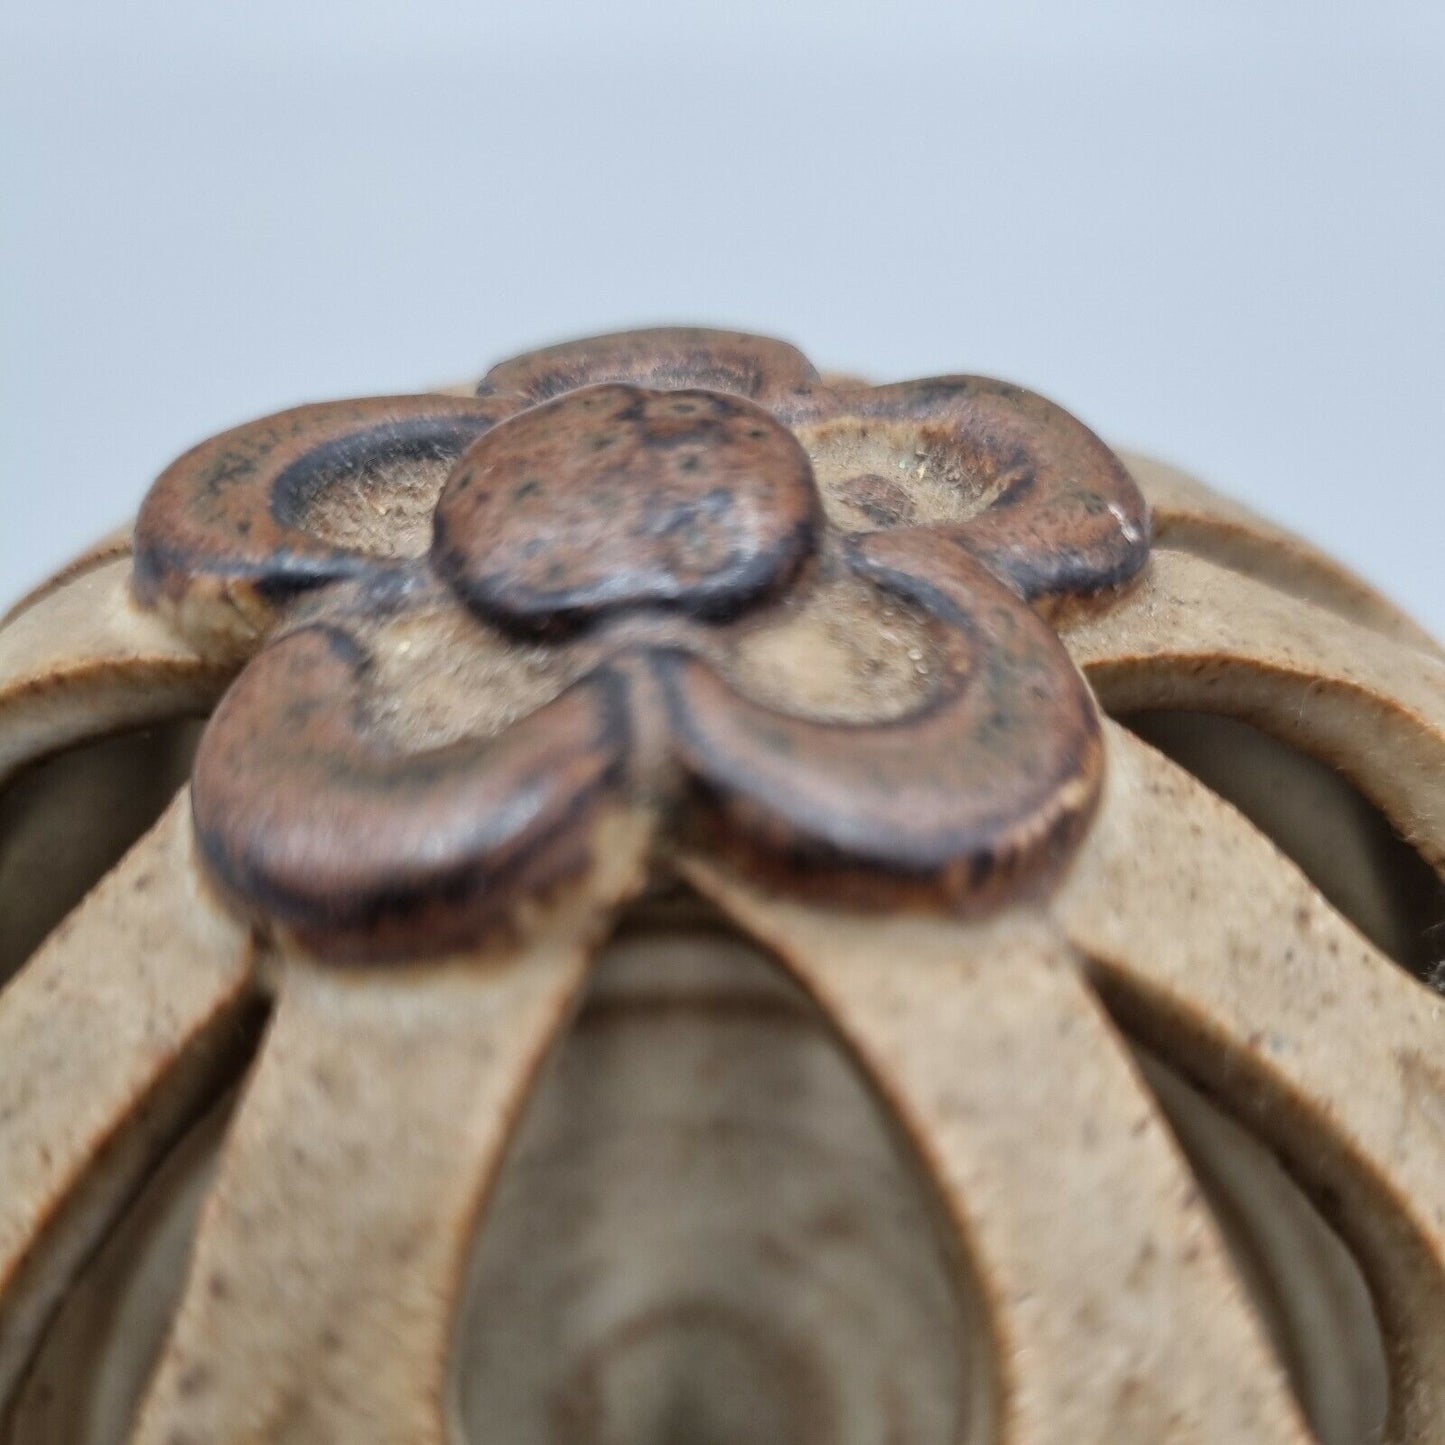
x=671, y=576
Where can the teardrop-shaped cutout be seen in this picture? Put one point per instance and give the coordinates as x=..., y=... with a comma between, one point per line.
x=85, y=1383
x=66, y=820
x=1335, y=835
x=1304, y=1281
x=707, y=1232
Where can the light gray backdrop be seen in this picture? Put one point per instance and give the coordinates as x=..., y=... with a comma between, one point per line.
x=1215, y=231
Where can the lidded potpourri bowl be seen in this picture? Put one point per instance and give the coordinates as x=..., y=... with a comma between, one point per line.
x=663, y=897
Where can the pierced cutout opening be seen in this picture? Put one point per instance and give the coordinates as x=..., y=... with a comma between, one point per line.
x=1304, y=1282
x=66, y=820
x=85, y=1383
x=706, y=1232
x=1336, y=836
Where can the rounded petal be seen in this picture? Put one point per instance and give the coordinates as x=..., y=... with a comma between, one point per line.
x=365, y=848
x=977, y=793
x=1027, y=488
x=615, y=497
x=666, y=357
x=249, y=519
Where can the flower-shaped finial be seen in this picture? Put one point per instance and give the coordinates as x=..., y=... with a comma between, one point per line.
x=670, y=576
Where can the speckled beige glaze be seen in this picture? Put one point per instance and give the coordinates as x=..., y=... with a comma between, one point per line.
x=113, y=1036
x=82, y=660
x=1153, y=1151
x=395, y=1093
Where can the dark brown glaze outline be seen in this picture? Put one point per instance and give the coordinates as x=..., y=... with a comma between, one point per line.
x=222, y=520
x=362, y=853
x=740, y=456
x=988, y=784
x=1068, y=522
x=664, y=358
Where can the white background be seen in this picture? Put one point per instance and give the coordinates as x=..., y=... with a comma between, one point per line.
x=1216, y=231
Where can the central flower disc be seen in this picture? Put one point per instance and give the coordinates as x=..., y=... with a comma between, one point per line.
x=618, y=497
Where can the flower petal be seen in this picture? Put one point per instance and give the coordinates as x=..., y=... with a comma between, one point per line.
x=617, y=497
x=364, y=849
x=666, y=358
x=978, y=792
x=249, y=519
x=1036, y=496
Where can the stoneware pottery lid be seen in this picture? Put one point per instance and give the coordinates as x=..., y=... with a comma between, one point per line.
x=667, y=899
